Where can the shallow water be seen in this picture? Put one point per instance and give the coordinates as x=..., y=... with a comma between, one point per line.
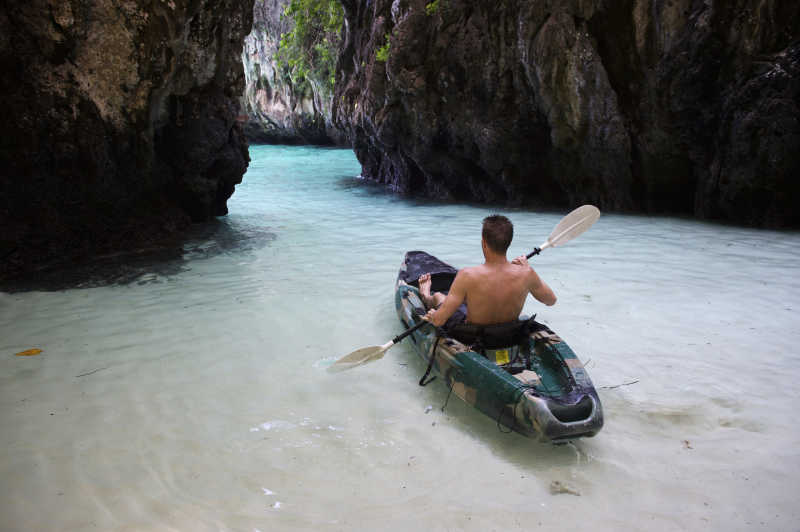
x=189, y=391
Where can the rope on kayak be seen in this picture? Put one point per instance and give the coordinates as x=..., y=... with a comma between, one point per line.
x=499, y=421
x=447, y=399
x=422, y=381
x=617, y=385
x=520, y=392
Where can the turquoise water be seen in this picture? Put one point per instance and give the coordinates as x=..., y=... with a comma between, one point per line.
x=188, y=390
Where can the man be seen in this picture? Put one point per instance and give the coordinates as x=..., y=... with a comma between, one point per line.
x=495, y=291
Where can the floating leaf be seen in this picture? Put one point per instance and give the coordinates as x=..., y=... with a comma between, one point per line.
x=29, y=352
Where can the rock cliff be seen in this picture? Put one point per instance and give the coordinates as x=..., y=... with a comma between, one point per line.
x=118, y=122
x=686, y=106
x=279, y=111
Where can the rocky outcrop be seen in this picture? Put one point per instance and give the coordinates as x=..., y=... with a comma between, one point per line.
x=687, y=106
x=118, y=122
x=279, y=111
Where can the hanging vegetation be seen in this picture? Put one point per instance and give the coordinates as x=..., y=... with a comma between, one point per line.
x=308, y=52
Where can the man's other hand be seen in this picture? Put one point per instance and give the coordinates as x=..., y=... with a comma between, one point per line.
x=522, y=260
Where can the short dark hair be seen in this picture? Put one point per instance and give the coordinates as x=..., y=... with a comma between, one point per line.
x=497, y=232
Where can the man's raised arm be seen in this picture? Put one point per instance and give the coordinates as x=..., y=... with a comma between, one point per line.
x=536, y=286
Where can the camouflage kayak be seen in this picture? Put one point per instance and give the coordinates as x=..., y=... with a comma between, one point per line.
x=537, y=387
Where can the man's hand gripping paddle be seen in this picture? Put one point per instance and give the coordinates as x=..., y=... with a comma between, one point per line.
x=572, y=225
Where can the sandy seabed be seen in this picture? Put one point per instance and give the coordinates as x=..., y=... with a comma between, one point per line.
x=194, y=396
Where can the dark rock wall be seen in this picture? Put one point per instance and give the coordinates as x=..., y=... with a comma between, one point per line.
x=278, y=112
x=118, y=121
x=685, y=106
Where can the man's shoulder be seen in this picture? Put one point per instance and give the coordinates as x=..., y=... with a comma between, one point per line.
x=471, y=271
x=510, y=272
x=467, y=276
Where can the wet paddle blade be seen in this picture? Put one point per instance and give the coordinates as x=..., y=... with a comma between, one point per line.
x=573, y=224
x=358, y=358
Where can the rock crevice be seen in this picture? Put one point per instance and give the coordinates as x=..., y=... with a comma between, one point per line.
x=681, y=107
x=279, y=111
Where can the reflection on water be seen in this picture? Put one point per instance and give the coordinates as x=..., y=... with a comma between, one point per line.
x=186, y=388
x=143, y=265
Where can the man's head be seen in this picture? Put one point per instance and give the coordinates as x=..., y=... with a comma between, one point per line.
x=497, y=233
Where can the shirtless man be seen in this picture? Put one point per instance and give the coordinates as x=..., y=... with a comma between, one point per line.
x=495, y=291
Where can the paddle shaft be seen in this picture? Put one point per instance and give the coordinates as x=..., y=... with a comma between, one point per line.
x=400, y=337
x=536, y=251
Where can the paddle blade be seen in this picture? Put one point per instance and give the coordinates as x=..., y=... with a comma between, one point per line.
x=359, y=357
x=572, y=225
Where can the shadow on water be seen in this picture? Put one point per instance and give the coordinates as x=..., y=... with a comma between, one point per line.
x=371, y=188
x=366, y=186
x=145, y=264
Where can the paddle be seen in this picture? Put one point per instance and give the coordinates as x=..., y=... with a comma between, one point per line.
x=572, y=225
x=369, y=354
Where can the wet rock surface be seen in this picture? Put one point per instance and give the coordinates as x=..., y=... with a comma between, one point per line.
x=681, y=107
x=119, y=123
x=277, y=110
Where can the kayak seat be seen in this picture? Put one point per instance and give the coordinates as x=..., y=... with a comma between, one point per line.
x=497, y=336
x=505, y=344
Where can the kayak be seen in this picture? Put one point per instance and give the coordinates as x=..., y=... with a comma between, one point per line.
x=536, y=386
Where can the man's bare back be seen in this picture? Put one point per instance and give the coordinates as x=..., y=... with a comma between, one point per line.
x=494, y=291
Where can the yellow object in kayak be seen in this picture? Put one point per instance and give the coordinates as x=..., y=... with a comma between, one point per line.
x=29, y=352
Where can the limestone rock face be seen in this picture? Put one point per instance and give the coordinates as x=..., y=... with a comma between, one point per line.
x=685, y=106
x=279, y=112
x=119, y=121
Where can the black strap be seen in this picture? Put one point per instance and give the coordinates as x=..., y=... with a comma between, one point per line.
x=422, y=381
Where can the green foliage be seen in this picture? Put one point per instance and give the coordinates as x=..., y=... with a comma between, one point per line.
x=432, y=8
x=383, y=52
x=311, y=48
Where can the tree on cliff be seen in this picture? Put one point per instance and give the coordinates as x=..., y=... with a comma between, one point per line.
x=310, y=49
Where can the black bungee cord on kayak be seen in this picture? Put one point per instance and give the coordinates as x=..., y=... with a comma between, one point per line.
x=500, y=424
x=447, y=399
x=522, y=389
x=422, y=381
x=440, y=333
